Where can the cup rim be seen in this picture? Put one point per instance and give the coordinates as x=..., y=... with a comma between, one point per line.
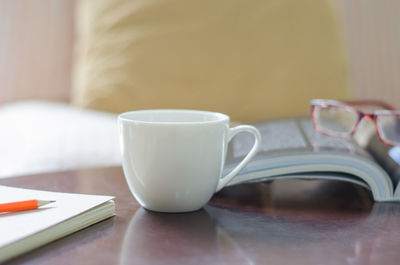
x=220, y=117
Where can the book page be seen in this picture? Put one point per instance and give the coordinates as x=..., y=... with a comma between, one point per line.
x=291, y=135
x=16, y=226
x=276, y=135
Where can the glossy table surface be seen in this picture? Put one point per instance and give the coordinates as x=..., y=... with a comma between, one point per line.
x=281, y=222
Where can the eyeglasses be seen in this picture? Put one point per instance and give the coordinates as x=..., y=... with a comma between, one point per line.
x=341, y=119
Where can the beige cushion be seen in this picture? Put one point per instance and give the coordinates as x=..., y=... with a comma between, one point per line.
x=250, y=59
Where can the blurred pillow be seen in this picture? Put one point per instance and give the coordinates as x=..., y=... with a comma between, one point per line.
x=39, y=137
x=250, y=59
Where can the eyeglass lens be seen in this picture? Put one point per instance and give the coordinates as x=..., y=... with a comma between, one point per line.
x=336, y=120
x=389, y=128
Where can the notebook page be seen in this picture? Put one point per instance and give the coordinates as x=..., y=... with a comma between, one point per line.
x=15, y=226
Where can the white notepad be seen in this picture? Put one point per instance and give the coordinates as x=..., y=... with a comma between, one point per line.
x=25, y=230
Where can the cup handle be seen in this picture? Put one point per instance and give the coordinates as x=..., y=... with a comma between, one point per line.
x=231, y=133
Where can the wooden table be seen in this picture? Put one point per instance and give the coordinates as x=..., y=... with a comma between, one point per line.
x=283, y=222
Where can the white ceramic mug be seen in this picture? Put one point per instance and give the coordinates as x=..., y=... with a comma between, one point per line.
x=173, y=159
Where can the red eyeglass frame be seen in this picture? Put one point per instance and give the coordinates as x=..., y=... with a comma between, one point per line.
x=352, y=105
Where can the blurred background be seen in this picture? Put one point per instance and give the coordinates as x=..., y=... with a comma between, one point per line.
x=52, y=50
x=37, y=40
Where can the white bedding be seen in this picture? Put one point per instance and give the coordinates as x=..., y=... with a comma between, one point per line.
x=37, y=137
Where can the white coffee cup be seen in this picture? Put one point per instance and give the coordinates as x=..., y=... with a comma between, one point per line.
x=173, y=159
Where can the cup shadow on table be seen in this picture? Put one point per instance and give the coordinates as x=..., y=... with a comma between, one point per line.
x=178, y=238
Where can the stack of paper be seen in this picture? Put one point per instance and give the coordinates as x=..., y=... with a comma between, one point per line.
x=25, y=230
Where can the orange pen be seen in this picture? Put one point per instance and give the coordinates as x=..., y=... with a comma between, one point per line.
x=22, y=205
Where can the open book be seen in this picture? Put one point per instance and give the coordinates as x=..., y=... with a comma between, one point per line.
x=25, y=230
x=292, y=149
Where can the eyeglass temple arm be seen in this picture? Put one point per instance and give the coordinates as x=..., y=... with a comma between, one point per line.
x=370, y=102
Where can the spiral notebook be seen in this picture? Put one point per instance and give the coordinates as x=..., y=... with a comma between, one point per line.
x=26, y=230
